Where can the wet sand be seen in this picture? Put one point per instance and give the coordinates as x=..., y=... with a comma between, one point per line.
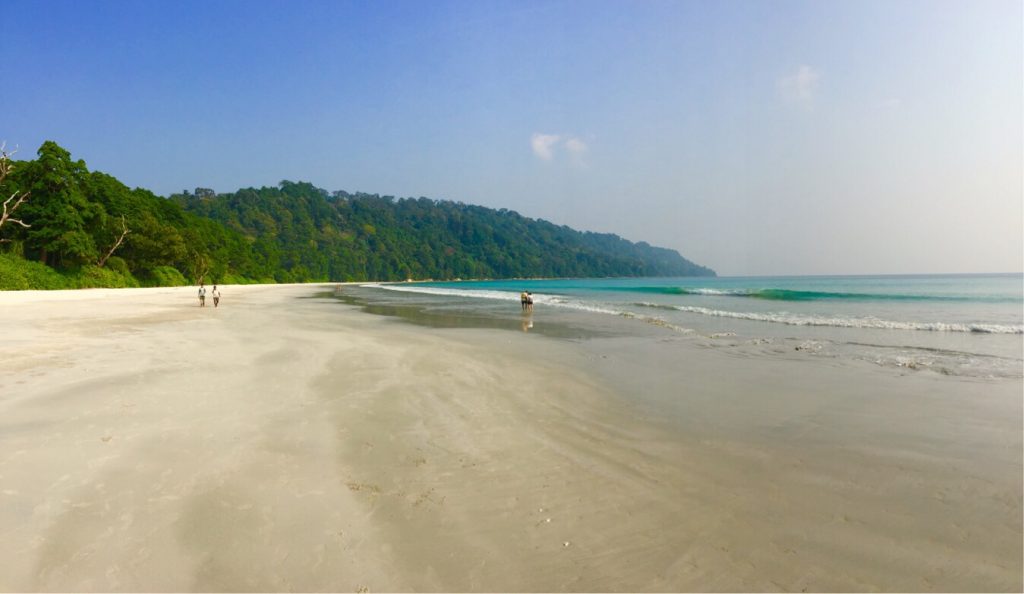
x=287, y=444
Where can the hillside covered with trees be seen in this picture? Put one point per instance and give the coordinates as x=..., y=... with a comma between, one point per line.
x=65, y=226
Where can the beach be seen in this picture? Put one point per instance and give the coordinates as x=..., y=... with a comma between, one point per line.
x=287, y=441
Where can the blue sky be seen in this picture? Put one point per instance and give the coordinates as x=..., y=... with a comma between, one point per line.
x=754, y=137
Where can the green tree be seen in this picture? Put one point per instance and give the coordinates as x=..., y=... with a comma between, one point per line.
x=59, y=212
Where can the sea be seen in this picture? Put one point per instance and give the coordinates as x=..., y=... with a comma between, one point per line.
x=969, y=325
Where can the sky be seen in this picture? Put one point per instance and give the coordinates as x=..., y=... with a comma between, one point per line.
x=756, y=138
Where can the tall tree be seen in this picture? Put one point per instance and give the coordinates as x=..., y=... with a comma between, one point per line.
x=60, y=213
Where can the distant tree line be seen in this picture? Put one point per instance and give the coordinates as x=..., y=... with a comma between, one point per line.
x=91, y=230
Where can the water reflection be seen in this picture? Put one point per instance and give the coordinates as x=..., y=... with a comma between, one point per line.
x=439, y=314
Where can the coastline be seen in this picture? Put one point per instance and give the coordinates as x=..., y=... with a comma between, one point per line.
x=280, y=443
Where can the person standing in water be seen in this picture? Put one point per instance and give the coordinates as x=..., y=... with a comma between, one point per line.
x=529, y=301
x=202, y=295
x=522, y=299
x=216, y=296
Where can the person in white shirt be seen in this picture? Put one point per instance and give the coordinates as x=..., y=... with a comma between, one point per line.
x=202, y=295
x=216, y=296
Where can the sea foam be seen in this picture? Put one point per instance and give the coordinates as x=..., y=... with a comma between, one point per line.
x=842, y=322
x=770, y=317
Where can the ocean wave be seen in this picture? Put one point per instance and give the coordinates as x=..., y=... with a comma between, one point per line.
x=839, y=322
x=772, y=317
x=771, y=294
x=932, y=350
x=538, y=298
x=479, y=294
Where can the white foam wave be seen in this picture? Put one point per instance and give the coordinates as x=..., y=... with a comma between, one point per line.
x=471, y=293
x=552, y=300
x=501, y=295
x=773, y=317
x=798, y=320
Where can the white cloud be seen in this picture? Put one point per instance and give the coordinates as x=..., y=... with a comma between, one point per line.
x=800, y=86
x=577, y=148
x=546, y=146
x=543, y=145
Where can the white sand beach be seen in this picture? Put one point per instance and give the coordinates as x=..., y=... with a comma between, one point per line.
x=283, y=443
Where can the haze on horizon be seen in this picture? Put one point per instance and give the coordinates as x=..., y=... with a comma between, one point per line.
x=756, y=138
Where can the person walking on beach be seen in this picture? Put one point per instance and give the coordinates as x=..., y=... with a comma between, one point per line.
x=216, y=296
x=202, y=295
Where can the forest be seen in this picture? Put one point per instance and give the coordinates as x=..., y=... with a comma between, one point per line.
x=63, y=226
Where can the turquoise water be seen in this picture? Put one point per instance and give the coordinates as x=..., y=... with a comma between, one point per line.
x=952, y=324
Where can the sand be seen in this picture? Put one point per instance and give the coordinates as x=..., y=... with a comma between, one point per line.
x=283, y=443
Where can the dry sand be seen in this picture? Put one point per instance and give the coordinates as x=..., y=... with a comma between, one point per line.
x=287, y=444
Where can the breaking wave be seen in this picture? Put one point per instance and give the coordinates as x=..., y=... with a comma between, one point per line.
x=792, y=295
x=843, y=322
x=771, y=317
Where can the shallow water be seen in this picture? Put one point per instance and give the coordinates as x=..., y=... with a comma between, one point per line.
x=961, y=325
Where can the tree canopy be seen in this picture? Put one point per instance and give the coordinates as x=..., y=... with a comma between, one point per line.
x=295, y=232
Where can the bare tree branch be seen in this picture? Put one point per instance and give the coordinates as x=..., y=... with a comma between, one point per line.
x=6, y=168
x=117, y=244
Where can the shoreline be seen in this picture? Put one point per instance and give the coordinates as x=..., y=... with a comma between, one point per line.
x=282, y=442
